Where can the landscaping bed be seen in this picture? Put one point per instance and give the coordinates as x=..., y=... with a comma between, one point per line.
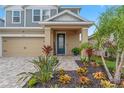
x=89, y=74
x=74, y=82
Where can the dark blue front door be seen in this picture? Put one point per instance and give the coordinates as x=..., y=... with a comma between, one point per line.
x=60, y=43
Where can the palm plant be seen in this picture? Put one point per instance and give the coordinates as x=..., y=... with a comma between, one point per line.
x=45, y=69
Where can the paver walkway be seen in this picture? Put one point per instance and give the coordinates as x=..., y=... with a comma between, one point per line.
x=68, y=62
x=11, y=66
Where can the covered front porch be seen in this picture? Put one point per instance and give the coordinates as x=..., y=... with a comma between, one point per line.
x=65, y=31
x=64, y=38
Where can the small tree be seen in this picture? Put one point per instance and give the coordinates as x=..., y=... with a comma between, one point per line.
x=111, y=22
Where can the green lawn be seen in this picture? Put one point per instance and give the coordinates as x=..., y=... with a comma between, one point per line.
x=110, y=63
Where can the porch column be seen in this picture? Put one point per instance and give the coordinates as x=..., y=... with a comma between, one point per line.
x=0, y=46
x=84, y=37
x=47, y=36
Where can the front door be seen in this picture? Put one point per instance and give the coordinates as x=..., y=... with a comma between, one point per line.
x=60, y=43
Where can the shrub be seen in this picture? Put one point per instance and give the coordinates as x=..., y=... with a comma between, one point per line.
x=76, y=51
x=44, y=67
x=88, y=49
x=99, y=75
x=64, y=79
x=32, y=82
x=89, y=52
x=84, y=59
x=82, y=71
x=106, y=84
x=46, y=50
x=84, y=80
x=53, y=60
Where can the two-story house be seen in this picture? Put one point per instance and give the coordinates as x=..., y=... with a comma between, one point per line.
x=28, y=27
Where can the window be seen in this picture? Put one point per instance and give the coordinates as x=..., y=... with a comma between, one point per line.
x=16, y=16
x=53, y=12
x=46, y=14
x=36, y=15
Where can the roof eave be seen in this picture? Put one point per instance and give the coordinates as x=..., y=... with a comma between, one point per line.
x=67, y=23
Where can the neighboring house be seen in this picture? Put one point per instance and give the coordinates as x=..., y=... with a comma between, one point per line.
x=1, y=22
x=29, y=27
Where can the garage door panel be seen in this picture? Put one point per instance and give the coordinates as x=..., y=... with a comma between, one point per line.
x=22, y=46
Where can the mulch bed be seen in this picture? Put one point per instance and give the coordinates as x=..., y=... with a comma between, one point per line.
x=95, y=83
x=74, y=82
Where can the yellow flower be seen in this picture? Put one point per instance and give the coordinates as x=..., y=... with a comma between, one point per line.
x=99, y=75
x=61, y=71
x=84, y=80
x=82, y=70
x=106, y=84
x=64, y=79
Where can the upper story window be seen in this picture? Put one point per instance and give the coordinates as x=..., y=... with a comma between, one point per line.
x=16, y=16
x=46, y=14
x=36, y=15
x=53, y=12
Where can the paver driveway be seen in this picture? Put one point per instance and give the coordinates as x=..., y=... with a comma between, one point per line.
x=11, y=66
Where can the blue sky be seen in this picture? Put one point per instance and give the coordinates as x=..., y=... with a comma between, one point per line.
x=90, y=12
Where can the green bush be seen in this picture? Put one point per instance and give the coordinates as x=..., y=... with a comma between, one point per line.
x=84, y=59
x=45, y=69
x=32, y=82
x=54, y=60
x=76, y=51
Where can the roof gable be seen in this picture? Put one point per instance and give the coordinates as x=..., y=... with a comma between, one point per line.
x=66, y=16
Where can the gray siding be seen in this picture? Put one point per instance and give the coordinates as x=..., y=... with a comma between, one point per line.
x=1, y=23
x=9, y=20
x=66, y=18
x=29, y=22
x=72, y=10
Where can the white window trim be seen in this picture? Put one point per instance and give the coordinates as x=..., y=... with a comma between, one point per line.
x=55, y=14
x=25, y=18
x=5, y=19
x=33, y=16
x=49, y=12
x=19, y=16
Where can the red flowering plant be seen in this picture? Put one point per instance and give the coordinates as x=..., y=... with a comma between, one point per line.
x=46, y=50
x=88, y=49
